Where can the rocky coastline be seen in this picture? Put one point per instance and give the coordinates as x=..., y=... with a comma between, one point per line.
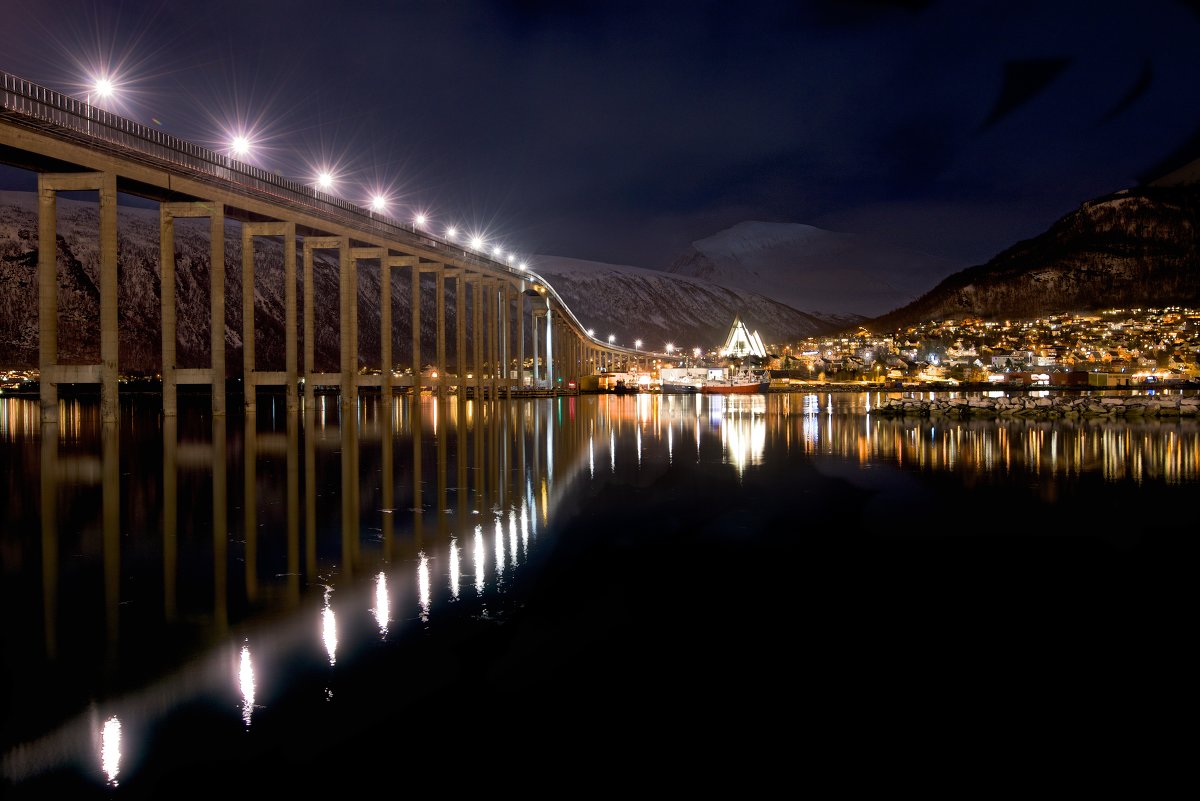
x=1048, y=407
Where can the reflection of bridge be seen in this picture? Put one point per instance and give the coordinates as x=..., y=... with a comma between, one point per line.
x=75, y=147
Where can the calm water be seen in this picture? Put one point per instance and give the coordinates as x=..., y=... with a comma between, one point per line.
x=548, y=591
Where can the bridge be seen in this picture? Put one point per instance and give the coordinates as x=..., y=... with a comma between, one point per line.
x=74, y=146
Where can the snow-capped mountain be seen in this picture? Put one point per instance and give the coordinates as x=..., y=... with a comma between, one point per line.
x=811, y=269
x=659, y=308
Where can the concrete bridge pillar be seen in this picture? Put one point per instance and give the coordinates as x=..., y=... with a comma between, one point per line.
x=477, y=333
x=251, y=378
x=416, y=328
x=50, y=372
x=521, y=335
x=439, y=361
x=311, y=377
x=549, y=346
x=460, y=330
x=214, y=376
x=538, y=314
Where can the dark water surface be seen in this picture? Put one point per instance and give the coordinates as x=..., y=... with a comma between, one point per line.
x=569, y=595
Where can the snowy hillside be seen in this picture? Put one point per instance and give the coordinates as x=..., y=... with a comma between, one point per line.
x=812, y=269
x=657, y=307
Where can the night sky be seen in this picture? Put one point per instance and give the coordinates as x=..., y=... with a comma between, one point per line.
x=621, y=132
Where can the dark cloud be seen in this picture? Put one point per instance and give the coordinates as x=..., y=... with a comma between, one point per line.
x=1140, y=87
x=1023, y=80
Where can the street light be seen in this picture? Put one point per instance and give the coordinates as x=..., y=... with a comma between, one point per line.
x=103, y=87
x=240, y=145
x=612, y=338
x=670, y=348
x=637, y=343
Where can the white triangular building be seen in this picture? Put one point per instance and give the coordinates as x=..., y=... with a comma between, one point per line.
x=741, y=342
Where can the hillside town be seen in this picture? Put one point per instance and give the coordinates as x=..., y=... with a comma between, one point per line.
x=1118, y=347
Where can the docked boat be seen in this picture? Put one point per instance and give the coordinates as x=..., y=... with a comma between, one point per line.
x=739, y=383
x=681, y=380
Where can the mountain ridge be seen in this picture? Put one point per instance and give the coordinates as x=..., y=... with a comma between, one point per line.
x=1136, y=247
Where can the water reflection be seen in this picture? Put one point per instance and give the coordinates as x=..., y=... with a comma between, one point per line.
x=246, y=684
x=110, y=750
x=183, y=530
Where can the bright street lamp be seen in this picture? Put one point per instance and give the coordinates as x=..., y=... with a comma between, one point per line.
x=240, y=145
x=670, y=348
x=637, y=343
x=325, y=181
x=612, y=338
x=103, y=87
x=378, y=203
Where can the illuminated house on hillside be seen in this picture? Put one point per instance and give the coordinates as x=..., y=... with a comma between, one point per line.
x=741, y=342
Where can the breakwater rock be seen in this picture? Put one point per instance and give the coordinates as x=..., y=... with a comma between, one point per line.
x=1048, y=407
